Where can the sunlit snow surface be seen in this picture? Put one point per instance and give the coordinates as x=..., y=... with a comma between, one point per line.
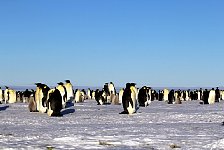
x=90, y=126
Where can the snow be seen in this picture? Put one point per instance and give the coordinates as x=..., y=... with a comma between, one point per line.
x=89, y=126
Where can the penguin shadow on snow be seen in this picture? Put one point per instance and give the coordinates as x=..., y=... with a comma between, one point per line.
x=69, y=104
x=4, y=108
x=67, y=111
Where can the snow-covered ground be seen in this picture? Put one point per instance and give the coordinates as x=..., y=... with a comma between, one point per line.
x=90, y=126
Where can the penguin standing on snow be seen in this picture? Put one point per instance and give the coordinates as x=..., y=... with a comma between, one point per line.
x=38, y=96
x=120, y=95
x=129, y=99
x=100, y=97
x=41, y=97
x=160, y=95
x=78, y=96
x=211, y=98
x=217, y=95
x=69, y=89
x=114, y=99
x=63, y=92
x=177, y=95
x=199, y=94
x=205, y=96
x=6, y=94
x=143, y=97
x=222, y=95
x=171, y=97
x=93, y=95
x=9, y=95
x=32, y=104
x=111, y=88
x=54, y=103
x=88, y=93
x=165, y=95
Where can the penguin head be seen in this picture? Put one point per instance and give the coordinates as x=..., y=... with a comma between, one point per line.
x=38, y=84
x=60, y=83
x=67, y=81
x=128, y=85
x=132, y=84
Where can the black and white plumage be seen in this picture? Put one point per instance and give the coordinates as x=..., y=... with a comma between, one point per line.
x=129, y=100
x=54, y=103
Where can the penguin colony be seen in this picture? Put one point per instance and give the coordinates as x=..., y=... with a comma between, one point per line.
x=52, y=100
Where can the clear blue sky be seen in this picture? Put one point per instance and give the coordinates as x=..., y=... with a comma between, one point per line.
x=150, y=42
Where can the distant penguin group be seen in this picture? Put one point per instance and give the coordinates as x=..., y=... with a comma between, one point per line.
x=52, y=100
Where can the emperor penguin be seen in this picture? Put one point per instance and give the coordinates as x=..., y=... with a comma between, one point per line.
x=160, y=95
x=41, y=97
x=165, y=95
x=100, y=97
x=129, y=99
x=182, y=96
x=135, y=92
x=83, y=93
x=78, y=96
x=93, y=95
x=103, y=97
x=143, y=96
x=187, y=95
x=69, y=88
x=177, y=97
x=63, y=92
x=199, y=95
x=88, y=93
x=106, y=88
x=171, y=97
x=10, y=95
x=120, y=95
x=38, y=96
x=111, y=88
x=54, y=103
x=217, y=95
x=6, y=94
x=26, y=96
x=211, y=98
x=114, y=99
x=222, y=94
x=19, y=96
x=149, y=95
x=32, y=104
x=205, y=96
x=1, y=95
